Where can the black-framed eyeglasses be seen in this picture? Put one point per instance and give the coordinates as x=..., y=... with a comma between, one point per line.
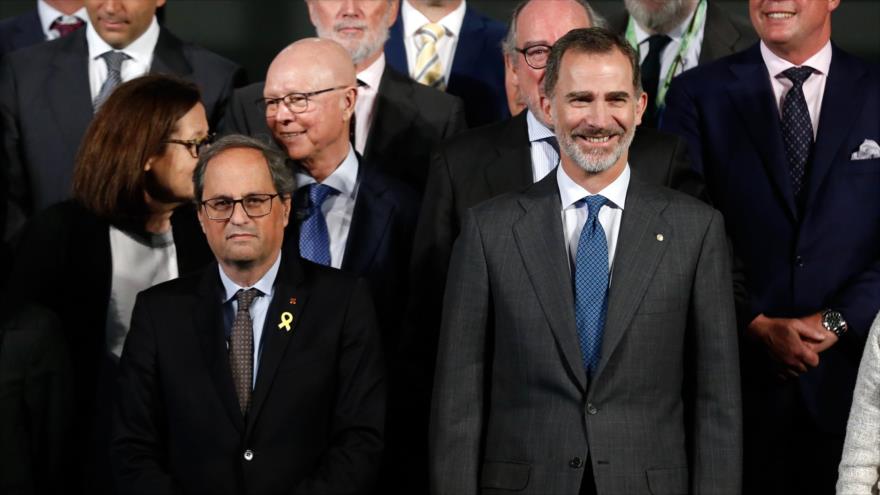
x=254, y=206
x=194, y=146
x=295, y=102
x=536, y=55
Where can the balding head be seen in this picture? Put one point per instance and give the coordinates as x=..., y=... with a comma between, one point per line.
x=316, y=80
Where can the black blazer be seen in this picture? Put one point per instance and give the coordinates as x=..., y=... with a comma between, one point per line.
x=63, y=263
x=46, y=107
x=20, y=31
x=408, y=120
x=316, y=421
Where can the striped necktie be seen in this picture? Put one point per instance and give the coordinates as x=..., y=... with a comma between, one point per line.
x=114, y=61
x=429, y=70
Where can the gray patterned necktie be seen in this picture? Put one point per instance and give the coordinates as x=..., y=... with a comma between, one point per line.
x=797, y=128
x=241, y=350
x=114, y=61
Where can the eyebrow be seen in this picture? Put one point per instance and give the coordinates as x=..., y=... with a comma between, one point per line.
x=584, y=94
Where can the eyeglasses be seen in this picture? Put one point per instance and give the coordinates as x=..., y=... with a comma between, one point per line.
x=536, y=55
x=194, y=146
x=295, y=102
x=254, y=206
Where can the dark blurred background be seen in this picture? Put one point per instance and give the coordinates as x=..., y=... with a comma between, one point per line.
x=252, y=31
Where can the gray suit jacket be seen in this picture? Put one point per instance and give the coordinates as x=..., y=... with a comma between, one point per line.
x=512, y=408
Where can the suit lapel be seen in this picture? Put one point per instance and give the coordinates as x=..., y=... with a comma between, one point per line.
x=541, y=244
x=836, y=118
x=208, y=322
x=395, y=51
x=511, y=169
x=168, y=56
x=69, y=94
x=28, y=30
x=721, y=35
x=369, y=223
x=394, y=113
x=636, y=259
x=752, y=95
x=290, y=297
x=470, y=47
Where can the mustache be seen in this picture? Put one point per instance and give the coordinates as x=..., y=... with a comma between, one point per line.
x=594, y=132
x=349, y=24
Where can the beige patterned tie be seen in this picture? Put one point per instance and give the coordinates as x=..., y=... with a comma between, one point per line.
x=429, y=70
x=241, y=350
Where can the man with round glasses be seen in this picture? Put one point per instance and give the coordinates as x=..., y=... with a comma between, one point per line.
x=261, y=374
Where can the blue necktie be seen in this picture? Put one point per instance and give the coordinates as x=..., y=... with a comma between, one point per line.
x=591, y=284
x=314, y=241
x=797, y=128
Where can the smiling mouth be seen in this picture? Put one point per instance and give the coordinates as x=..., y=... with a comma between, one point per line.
x=780, y=15
x=291, y=135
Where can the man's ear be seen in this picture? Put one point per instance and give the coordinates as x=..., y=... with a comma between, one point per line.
x=547, y=109
x=285, y=203
x=200, y=211
x=641, y=106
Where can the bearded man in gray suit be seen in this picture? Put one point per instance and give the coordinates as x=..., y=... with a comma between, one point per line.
x=588, y=342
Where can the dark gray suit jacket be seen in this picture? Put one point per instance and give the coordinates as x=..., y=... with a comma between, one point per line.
x=46, y=107
x=408, y=121
x=512, y=407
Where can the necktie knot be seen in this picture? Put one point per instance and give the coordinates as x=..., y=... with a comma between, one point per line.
x=66, y=24
x=594, y=204
x=318, y=193
x=797, y=75
x=431, y=32
x=657, y=42
x=245, y=297
x=114, y=60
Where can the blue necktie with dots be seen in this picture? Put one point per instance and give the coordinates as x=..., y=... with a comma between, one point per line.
x=797, y=128
x=314, y=240
x=591, y=284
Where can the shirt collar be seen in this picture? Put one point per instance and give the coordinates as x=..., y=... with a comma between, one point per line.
x=372, y=75
x=264, y=285
x=571, y=192
x=537, y=130
x=343, y=179
x=677, y=33
x=48, y=14
x=140, y=50
x=820, y=61
x=413, y=19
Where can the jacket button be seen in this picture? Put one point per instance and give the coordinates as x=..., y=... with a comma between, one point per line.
x=799, y=261
x=591, y=409
x=248, y=454
x=575, y=462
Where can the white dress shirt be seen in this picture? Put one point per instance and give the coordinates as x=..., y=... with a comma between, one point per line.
x=690, y=59
x=574, y=214
x=138, y=263
x=338, y=208
x=258, y=309
x=365, y=106
x=814, y=86
x=413, y=20
x=48, y=14
x=544, y=156
x=140, y=52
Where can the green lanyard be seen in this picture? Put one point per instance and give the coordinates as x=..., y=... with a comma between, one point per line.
x=696, y=22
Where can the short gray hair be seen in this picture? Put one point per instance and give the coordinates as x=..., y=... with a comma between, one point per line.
x=592, y=41
x=282, y=176
x=508, y=45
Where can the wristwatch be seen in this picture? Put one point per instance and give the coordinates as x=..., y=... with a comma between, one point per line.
x=833, y=322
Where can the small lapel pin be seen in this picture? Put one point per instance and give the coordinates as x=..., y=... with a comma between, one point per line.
x=286, y=320
x=292, y=300
x=660, y=237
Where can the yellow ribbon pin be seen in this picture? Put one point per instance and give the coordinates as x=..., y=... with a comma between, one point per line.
x=286, y=320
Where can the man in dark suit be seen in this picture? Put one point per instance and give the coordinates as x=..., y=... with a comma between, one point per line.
x=261, y=375
x=469, y=61
x=797, y=183
x=588, y=341
x=672, y=37
x=51, y=19
x=397, y=120
x=51, y=90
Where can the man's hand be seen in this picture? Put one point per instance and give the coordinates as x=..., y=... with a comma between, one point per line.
x=794, y=342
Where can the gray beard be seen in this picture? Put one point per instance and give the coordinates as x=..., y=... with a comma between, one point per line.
x=594, y=163
x=673, y=13
x=361, y=50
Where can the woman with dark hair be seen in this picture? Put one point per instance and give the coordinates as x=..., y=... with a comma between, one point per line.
x=131, y=224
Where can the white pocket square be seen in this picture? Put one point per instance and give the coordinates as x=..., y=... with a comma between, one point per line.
x=867, y=150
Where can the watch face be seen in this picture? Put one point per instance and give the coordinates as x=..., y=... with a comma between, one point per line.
x=833, y=321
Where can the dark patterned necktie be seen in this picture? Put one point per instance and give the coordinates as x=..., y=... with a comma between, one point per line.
x=65, y=25
x=651, y=76
x=241, y=349
x=114, y=61
x=314, y=240
x=591, y=284
x=797, y=128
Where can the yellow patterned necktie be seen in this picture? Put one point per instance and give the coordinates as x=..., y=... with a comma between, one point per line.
x=429, y=71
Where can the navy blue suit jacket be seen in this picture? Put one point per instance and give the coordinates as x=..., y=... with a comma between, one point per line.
x=477, y=75
x=20, y=31
x=796, y=261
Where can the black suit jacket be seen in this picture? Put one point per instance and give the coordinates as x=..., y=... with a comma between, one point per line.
x=68, y=243
x=46, y=107
x=477, y=73
x=408, y=120
x=20, y=31
x=316, y=420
